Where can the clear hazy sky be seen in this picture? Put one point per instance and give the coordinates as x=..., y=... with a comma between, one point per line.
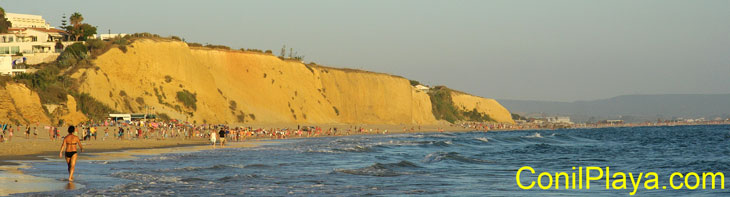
x=537, y=50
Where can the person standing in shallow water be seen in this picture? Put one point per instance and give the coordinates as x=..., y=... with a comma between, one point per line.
x=68, y=149
x=222, y=137
x=212, y=138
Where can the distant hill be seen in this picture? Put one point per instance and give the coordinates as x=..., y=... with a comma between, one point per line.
x=630, y=108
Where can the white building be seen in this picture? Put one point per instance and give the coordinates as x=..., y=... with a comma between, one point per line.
x=27, y=21
x=31, y=40
x=559, y=119
x=422, y=87
x=29, y=35
x=7, y=67
x=108, y=36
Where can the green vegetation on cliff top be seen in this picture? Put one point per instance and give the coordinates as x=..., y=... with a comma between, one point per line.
x=443, y=107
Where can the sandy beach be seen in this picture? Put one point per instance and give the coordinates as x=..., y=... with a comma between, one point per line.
x=13, y=180
x=20, y=148
x=41, y=147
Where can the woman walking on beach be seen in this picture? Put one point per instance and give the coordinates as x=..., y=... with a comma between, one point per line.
x=212, y=138
x=69, y=148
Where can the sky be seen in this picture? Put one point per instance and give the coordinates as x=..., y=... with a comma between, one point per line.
x=529, y=50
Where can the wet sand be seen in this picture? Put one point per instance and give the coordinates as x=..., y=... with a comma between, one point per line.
x=20, y=148
x=17, y=154
x=13, y=180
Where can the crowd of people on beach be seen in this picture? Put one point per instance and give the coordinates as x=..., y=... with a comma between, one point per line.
x=162, y=130
x=8, y=131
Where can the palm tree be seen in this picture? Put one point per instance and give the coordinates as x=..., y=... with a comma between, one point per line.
x=76, y=19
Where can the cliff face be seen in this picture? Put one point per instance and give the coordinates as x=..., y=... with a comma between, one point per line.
x=485, y=105
x=242, y=87
x=20, y=105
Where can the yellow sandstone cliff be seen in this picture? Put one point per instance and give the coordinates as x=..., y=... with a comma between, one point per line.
x=489, y=106
x=245, y=87
x=20, y=105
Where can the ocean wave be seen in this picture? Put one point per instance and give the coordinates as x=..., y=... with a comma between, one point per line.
x=442, y=135
x=213, y=167
x=442, y=156
x=358, y=149
x=534, y=135
x=382, y=170
x=483, y=139
x=256, y=166
x=192, y=179
x=320, y=151
x=400, y=143
x=100, y=162
x=148, y=178
x=543, y=148
x=239, y=177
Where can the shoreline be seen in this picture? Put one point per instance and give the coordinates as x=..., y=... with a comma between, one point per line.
x=12, y=157
x=41, y=148
x=14, y=181
x=42, y=155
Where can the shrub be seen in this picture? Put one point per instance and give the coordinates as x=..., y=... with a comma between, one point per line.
x=92, y=108
x=73, y=54
x=4, y=80
x=232, y=105
x=175, y=38
x=163, y=116
x=193, y=44
x=442, y=106
x=476, y=116
x=518, y=117
x=415, y=83
x=53, y=94
x=39, y=80
x=139, y=100
x=168, y=79
x=309, y=68
x=241, y=117
x=218, y=47
x=143, y=35
x=188, y=99
x=51, y=87
x=96, y=46
x=121, y=43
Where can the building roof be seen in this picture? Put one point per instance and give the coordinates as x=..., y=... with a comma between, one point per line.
x=48, y=30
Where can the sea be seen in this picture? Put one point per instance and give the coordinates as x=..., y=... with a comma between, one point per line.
x=429, y=164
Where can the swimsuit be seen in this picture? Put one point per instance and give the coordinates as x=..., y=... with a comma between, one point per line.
x=70, y=154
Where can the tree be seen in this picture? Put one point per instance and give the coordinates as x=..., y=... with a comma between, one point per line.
x=95, y=45
x=85, y=31
x=76, y=19
x=283, y=51
x=63, y=20
x=78, y=29
x=4, y=23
